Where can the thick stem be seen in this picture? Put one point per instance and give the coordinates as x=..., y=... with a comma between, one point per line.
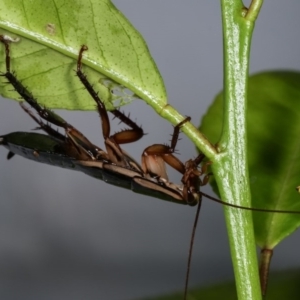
x=230, y=168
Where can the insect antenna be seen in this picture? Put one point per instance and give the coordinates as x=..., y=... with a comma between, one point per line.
x=187, y=276
x=250, y=208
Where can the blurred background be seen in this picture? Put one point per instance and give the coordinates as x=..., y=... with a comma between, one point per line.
x=64, y=235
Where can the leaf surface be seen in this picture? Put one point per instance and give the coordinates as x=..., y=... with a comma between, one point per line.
x=273, y=121
x=51, y=34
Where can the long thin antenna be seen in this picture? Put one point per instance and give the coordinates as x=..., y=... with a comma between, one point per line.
x=250, y=208
x=187, y=276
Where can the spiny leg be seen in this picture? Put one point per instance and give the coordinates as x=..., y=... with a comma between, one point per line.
x=47, y=128
x=44, y=113
x=154, y=157
x=122, y=137
x=127, y=135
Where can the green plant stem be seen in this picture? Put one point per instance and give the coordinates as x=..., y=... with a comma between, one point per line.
x=230, y=168
x=254, y=10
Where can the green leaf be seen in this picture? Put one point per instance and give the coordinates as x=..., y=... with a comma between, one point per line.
x=273, y=150
x=283, y=285
x=51, y=35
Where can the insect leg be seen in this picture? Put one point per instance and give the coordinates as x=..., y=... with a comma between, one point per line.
x=44, y=113
x=47, y=128
x=116, y=154
x=154, y=157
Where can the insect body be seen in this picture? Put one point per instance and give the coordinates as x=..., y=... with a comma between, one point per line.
x=75, y=151
x=46, y=149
